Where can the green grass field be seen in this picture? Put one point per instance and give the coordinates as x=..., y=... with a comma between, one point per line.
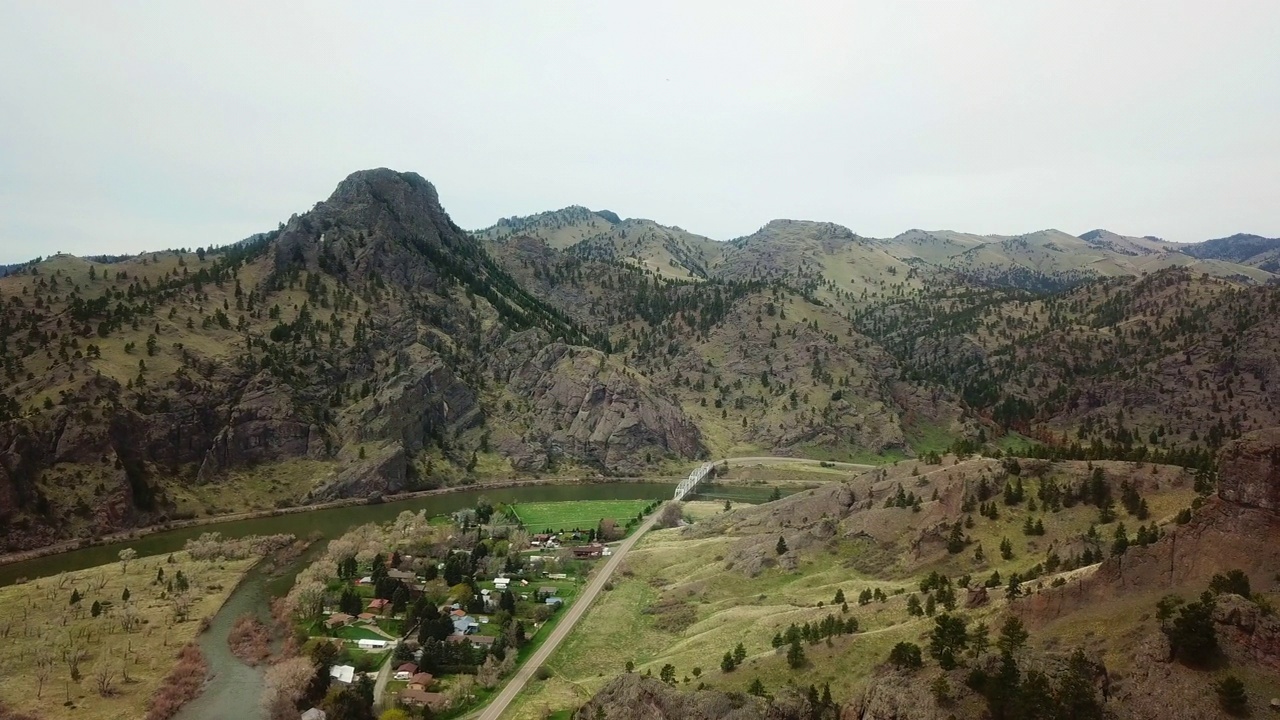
x=583, y=515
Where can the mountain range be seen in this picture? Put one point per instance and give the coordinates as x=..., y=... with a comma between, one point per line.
x=371, y=346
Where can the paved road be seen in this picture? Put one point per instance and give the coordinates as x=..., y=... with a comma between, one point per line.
x=564, y=627
x=770, y=460
x=384, y=674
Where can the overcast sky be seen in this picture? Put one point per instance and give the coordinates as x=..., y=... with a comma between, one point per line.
x=142, y=125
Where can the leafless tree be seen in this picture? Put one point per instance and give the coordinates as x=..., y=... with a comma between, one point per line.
x=44, y=669
x=487, y=676
x=670, y=515
x=73, y=654
x=181, y=605
x=128, y=618
x=286, y=682
x=105, y=678
x=126, y=556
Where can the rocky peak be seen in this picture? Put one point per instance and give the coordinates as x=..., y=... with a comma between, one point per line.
x=1249, y=470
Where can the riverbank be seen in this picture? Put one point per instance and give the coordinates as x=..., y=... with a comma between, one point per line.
x=121, y=633
x=138, y=533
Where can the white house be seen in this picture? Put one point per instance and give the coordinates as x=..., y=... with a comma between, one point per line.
x=345, y=674
x=368, y=644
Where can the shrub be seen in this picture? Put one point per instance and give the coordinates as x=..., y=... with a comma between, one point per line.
x=180, y=686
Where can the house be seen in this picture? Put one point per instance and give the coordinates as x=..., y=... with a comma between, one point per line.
x=338, y=620
x=476, y=641
x=345, y=674
x=458, y=612
x=367, y=617
x=406, y=671
x=588, y=551
x=367, y=644
x=421, y=698
x=465, y=625
x=313, y=714
x=546, y=591
x=378, y=605
x=404, y=575
x=554, y=601
x=421, y=681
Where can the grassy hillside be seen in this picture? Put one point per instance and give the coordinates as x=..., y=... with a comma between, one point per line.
x=689, y=596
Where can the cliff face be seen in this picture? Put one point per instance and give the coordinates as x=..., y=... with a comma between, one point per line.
x=1250, y=471
x=585, y=407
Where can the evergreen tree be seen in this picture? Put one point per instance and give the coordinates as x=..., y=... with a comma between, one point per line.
x=795, y=655
x=1232, y=696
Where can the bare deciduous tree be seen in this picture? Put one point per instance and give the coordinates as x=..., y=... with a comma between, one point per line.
x=44, y=669
x=286, y=682
x=105, y=678
x=126, y=556
x=670, y=515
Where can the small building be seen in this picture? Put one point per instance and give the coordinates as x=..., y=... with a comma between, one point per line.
x=345, y=674
x=421, y=681
x=481, y=641
x=401, y=575
x=366, y=580
x=338, y=620
x=406, y=671
x=593, y=550
x=378, y=605
x=547, y=591
x=313, y=714
x=368, y=644
x=465, y=625
x=422, y=698
x=367, y=617
x=554, y=601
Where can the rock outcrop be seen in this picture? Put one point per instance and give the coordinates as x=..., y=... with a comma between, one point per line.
x=264, y=425
x=1249, y=471
x=586, y=407
x=636, y=697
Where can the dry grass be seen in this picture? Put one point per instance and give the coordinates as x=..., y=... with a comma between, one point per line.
x=119, y=669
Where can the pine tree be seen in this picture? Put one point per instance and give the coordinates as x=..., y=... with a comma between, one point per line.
x=781, y=547
x=795, y=655
x=1232, y=696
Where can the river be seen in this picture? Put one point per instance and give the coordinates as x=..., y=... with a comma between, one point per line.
x=234, y=689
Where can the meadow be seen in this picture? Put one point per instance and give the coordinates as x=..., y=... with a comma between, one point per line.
x=581, y=515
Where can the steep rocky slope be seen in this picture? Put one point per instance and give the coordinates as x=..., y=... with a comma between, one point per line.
x=347, y=353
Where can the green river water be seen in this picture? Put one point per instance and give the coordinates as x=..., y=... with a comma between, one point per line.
x=234, y=689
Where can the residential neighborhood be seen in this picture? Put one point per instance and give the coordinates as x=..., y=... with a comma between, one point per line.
x=429, y=613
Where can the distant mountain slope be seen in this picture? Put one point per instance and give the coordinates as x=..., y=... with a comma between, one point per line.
x=833, y=262
x=1253, y=250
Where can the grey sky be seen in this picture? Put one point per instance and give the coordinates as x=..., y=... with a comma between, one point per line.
x=135, y=125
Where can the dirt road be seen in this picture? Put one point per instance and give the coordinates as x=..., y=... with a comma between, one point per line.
x=564, y=627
